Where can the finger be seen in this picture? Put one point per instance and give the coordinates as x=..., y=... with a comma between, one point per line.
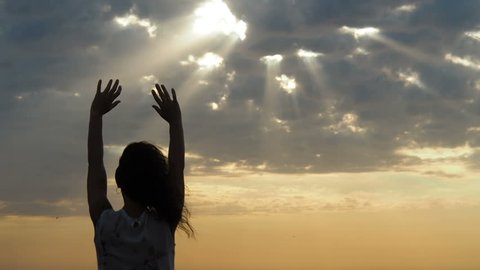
x=159, y=111
x=155, y=96
x=156, y=108
x=117, y=93
x=160, y=92
x=165, y=92
x=114, y=87
x=108, y=86
x=99, y=86
x=114, y=104
x=158, y=99
x=174, y=95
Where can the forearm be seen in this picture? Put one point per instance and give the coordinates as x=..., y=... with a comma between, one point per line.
x=95, y=141
x=97, y=178
x=176, y=155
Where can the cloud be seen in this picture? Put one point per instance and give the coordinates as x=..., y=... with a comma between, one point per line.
x=347, y=192
x=132, y=19
x=287, y=83
x=313, y=87
x=408, y=8
x=465, y=61
x=209, y=61
x=215, y=16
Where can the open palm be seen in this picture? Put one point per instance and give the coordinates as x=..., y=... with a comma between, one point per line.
x=168, y=108
x=104, y=101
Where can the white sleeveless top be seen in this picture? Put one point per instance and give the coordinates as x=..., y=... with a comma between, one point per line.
x=123, y=242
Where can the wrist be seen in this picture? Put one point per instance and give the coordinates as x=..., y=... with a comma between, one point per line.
x=94, y=114
x=176, y=123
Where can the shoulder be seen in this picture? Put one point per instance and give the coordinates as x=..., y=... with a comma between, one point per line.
x=106, y=216
x=97, y=208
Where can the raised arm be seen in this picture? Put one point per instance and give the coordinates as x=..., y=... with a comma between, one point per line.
x=169, y=109
x=103, y=102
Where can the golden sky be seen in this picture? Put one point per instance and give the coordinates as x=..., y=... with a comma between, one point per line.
x=433, y=239
x=242, y=224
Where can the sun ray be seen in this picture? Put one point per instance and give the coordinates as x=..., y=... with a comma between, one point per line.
x=272, y=63
x=322, y=91
x=156, y=54
x=411, y=77
x=270, y=138
x=408, y=51
x=160, y=52
x=376, y=34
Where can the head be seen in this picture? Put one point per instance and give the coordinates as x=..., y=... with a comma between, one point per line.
x=142, y=175
x=142, y=172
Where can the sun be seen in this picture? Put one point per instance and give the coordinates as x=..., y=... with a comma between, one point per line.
x=214, y=17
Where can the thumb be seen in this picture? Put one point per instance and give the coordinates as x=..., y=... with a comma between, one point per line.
x=114, y=104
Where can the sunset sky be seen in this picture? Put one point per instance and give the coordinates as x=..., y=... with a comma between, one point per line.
x=319, y=134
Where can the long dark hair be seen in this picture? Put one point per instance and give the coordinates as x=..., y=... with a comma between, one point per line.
x=142, y=174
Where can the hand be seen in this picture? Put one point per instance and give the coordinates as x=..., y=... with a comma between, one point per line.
x=167, y=108
x=105, y=101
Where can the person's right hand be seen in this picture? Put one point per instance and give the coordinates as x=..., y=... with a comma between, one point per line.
x=105, y=101
x=167, y=108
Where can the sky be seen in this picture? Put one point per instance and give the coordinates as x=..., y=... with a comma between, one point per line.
x=324, y=126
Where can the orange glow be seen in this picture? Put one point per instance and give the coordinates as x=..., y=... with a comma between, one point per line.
x=436, y=239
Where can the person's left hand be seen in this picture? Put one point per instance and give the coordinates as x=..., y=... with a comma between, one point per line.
x=105, y=101
x=168, y=108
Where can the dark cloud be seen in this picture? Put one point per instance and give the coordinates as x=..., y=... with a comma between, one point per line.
x=351, y=111
x=447, y=15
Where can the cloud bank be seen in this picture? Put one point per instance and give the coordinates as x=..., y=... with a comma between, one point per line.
x=276, y=87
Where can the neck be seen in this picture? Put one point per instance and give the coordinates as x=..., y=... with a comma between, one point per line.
x=132, y=208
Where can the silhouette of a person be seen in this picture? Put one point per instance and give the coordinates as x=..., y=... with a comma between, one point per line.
x=141, y=235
